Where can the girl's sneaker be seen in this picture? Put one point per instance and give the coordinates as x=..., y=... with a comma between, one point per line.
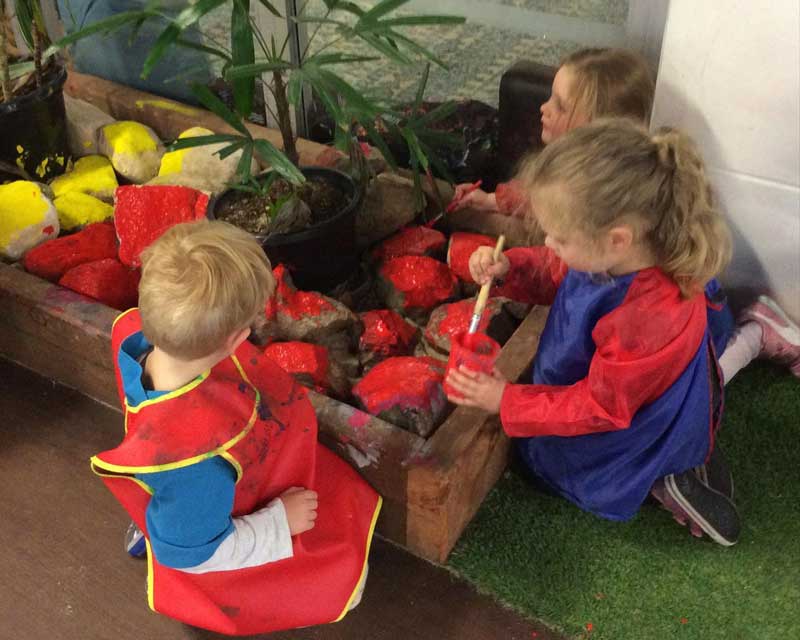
x=780, y=337
x=134, y=541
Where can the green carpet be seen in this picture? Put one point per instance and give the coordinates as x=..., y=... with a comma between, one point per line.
x=648, y=578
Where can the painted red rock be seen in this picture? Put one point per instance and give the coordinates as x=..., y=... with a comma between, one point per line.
x=143, y=213
x=386, y=333
x=462, y=245
x=107, y=281
x=405, y=391
x=450, y=319
x=310, y=364
x=54, y=258
x=415, y=285
x=411, y=241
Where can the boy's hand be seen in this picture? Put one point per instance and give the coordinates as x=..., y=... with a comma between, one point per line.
x=467, y=196
x=482, y=266
x=301, y=509
x=477, y=389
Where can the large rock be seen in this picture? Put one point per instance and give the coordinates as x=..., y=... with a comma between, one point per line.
x=200, y=167
x=52, y=259
x=143, y=213
x=311, y=365
x=413, y=240
x=405, y=391
x=107, y=281
x=84, y=120
x=77, y=209
x=27, y=218
x=92, y=175
x=415, y=285
x=134, y=150
x=388, y=207
x=461, y=247
x=386, y=334
x=519, y=232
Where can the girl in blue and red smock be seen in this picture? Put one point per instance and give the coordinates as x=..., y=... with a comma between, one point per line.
x=626, y=395
x=250, y=525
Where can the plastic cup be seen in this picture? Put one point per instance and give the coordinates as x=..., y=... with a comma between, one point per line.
x=475, y=351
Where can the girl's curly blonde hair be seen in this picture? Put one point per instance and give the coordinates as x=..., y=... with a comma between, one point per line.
x=613, y=172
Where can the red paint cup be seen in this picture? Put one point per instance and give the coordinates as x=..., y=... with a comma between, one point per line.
x=475, y=351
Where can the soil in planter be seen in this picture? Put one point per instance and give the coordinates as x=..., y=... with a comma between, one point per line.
x=251, y=211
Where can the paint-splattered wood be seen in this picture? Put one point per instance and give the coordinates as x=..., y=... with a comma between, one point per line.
x=166, y=117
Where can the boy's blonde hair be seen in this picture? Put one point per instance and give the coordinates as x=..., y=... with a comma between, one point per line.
x=611, y=82
x=613, y=172
x=201, y=282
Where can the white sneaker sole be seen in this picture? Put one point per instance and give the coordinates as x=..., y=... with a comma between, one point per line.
x=711, y=532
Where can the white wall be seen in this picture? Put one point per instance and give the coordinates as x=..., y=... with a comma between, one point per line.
x=730, y=76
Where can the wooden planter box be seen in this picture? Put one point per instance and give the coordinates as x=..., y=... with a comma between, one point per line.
x=431, y=487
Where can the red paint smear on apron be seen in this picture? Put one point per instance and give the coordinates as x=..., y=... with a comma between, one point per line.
x=462, y=246
x=424, y=282
x=411, y=241
x=385, y=332
x=301, y=357
x=403, y=381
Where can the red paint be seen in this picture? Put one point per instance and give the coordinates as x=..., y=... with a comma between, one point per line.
x=684, y=620
x=457, y=316
x=386, y=333
x=296, y=304
x=462, y=246
x=402, y=381
x=302, y=358
x=411, y=241
x=143, y=213
x=48, y=230
x=589, y=627
x=424, y=282
x=107, y=281
x=53, y=258
x=475, y=351
x=358, y=419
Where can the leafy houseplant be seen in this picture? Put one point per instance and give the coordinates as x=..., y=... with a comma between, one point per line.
x=33, y=143
x=251, y=54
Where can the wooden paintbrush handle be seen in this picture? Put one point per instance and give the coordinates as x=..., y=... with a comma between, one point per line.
x=483, y=295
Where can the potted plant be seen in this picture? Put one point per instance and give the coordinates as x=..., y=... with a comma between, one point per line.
x=33, y=135
x=321, y=201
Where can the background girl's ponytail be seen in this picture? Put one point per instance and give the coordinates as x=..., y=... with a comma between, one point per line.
x=613, y=172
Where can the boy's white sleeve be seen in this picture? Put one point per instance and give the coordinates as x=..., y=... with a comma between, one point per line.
x=258, y=538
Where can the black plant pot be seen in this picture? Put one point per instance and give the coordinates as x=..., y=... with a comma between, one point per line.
x=325, y=254
x=33, y=129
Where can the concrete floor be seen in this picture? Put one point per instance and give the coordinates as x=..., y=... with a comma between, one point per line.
x=68, y=578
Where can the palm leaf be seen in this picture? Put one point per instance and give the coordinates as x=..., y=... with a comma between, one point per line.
x=269, y=153
x=214, y=104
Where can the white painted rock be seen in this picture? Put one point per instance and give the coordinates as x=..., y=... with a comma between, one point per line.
x=133, y=148
x=27, y=218
x=93, y=175
x=84, y=120
x=200, y=165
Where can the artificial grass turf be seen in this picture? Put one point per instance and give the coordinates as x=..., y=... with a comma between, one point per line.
x=648, y=578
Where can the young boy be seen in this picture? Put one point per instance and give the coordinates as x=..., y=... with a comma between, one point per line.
x=251, y=526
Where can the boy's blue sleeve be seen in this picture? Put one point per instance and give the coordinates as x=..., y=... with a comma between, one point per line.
x=189, y=514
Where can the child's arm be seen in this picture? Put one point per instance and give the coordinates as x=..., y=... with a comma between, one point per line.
x=529, y=274
x=511, y=199
x=640, y=353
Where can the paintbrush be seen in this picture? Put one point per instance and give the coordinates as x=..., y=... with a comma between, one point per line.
x=483, y=296
x=453, y=203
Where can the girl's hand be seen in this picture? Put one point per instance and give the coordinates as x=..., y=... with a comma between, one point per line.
x=467, y=196
x=301, y=509
x=482, y=266
x=477, y=389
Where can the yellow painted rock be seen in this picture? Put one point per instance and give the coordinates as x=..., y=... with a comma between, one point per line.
x=200, y=167
x=93, y=175
x=77, y=209
x=133, y=148
x=27, y=218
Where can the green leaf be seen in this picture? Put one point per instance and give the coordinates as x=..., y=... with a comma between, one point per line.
x=380, y=143
x=233, y=148
x=382, y=8
x=243, y=53
x=24, y=12
x=441, y=112
x=386, y=49
x=191, y=14
x=213, y=51
x=338, y=58
x=214, y=104
x=269, y=153
x=201, y=141
x=255, y=69
x=268, y=6
x=436, y=162
x=347, y=7
x=421, y=88
x=419, y=49
x=243, y=168
x=413, y=146
x=167, y=38
x=106, y=26
x=295, y=86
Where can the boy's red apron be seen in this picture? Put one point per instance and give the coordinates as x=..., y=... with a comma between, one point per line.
x=257, y=417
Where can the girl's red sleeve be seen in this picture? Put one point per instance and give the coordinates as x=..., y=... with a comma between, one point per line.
x=534, y=275
x=642, y=347
x=511, y=198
